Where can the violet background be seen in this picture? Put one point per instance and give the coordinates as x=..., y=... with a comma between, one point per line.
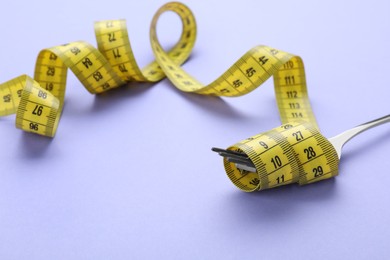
x=130, y=174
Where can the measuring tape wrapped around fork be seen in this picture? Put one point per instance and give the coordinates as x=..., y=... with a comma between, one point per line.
x=294, y=152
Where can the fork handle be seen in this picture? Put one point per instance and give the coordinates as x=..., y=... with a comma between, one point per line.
x=340, y=140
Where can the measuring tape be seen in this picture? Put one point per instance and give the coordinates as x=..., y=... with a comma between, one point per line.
x=38, y=102
x=294, y=152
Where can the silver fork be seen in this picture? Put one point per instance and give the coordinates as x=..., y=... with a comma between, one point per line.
x=243, y=162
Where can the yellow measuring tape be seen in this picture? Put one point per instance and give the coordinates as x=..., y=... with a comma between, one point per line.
x=38, y=102
x=295, y=152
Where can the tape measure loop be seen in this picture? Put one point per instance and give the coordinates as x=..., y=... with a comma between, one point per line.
x=111, y=66
x=292, y=153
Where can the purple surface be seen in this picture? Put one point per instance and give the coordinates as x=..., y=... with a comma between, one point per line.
x=130, y=174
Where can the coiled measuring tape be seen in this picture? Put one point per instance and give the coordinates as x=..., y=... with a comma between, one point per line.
x=283, y=155
x=293, y=152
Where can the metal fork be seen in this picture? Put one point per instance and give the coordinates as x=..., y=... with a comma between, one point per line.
x=243, y=162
